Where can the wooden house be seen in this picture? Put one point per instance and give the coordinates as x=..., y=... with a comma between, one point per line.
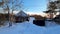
x=50, y=14
x=21, y=16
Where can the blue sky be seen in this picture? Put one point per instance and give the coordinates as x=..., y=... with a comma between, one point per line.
x=35, y=6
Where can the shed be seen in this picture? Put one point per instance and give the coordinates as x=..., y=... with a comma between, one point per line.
x=21, y=16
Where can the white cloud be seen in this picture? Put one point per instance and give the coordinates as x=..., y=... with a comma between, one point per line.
x=40, y=13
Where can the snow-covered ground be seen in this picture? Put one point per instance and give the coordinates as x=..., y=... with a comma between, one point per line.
x=30, y=28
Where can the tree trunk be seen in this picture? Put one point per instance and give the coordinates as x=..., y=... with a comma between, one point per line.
x=10, y=24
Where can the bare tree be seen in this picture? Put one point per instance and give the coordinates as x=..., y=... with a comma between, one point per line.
x=11, y=5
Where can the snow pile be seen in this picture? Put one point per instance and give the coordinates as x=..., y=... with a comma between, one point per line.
x=50, y=23
x=29, y=28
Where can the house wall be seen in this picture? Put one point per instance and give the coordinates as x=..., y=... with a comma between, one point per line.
x=21, y=19
x=49, y=15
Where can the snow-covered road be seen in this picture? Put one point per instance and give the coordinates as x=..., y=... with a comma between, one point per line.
x=29, y=28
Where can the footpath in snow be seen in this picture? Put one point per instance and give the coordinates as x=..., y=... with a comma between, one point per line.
x=30, y=28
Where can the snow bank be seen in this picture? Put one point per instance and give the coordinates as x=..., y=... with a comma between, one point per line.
x=29, y=28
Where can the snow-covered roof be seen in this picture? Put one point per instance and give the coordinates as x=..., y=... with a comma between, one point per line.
x=21, y=13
